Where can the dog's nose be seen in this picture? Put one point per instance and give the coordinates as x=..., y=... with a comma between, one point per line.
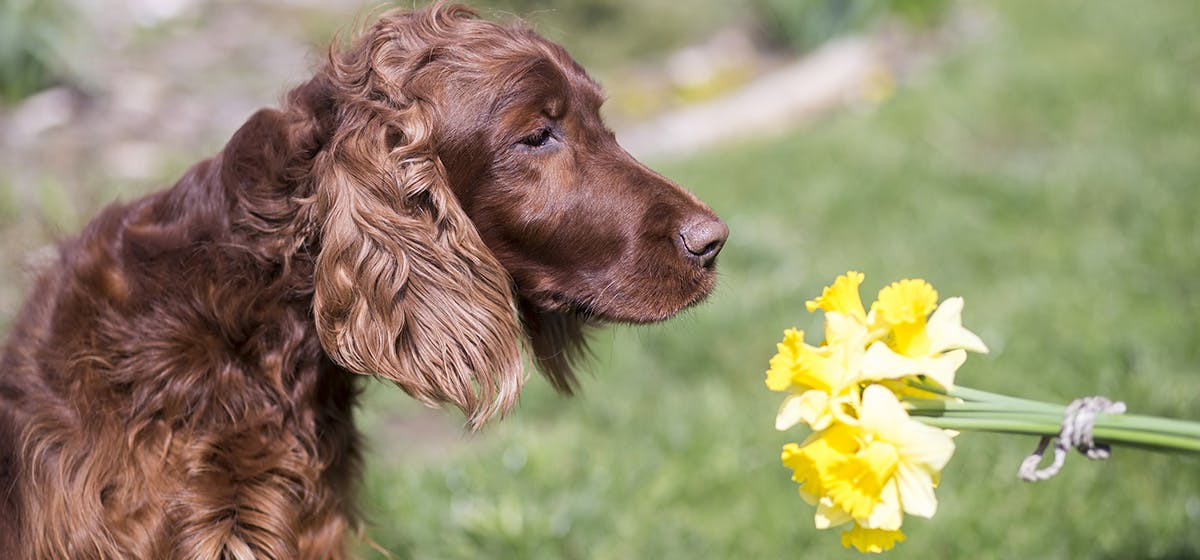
x=702, y=237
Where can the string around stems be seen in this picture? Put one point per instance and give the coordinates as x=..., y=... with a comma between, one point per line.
x=1079, y=420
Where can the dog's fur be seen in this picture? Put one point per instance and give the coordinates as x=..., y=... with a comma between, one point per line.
x=443, y=192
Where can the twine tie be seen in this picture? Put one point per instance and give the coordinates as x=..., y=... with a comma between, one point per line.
x=1078, y=420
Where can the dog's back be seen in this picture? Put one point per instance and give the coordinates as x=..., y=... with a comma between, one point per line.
x=163, y=393
x=20, y=385
x=10, y=483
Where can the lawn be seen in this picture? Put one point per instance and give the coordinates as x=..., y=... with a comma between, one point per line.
x=1048, y=172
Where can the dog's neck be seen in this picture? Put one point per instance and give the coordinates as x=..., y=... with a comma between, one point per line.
x=235, y=240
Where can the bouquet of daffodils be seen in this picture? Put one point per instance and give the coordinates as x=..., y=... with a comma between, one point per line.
x=879, y=398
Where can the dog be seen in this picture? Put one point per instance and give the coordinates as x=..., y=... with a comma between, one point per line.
x=439, y=196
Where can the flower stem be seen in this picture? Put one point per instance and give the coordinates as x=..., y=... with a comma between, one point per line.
x=975, y=395
x=983, y=411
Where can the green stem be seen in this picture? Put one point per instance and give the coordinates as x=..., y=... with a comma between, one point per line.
x=927, y=406
x=975, y=395
x=1000, y=425
x=983, y=411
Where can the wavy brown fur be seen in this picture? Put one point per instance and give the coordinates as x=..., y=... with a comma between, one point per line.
x=180, y=383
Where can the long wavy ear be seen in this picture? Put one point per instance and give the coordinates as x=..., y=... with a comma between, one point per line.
x=405, y=287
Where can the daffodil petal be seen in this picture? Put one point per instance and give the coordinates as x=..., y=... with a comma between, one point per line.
x=926, y=446
x=843, y=329
x=945, y=329
x=881, y=412
x=829, y=515
x=916, y=490
x=942, y=368
x=886, y=515
x=810, y=407
x=844, y=408
x=808, y=497
x=791, y=412
x=881, y=362
x=814, y=409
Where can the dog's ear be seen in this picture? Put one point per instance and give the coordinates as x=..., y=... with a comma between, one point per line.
x=557, y=343
x=405, y=288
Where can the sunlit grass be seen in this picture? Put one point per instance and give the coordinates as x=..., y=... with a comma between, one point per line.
x=1048, y=173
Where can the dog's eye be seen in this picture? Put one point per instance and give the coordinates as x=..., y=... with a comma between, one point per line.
x=539, y=138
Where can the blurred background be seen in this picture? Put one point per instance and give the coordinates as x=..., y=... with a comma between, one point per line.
x=1041, y=159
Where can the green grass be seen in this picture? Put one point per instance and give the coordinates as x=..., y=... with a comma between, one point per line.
x=31, y=36
x=1049, y=173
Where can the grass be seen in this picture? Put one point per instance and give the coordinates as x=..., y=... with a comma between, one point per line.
x=31, y=35
x=1048, y=173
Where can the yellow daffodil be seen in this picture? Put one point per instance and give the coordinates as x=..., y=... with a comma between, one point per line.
x=934, y=348
x=867, y=463
x=893, y=340
x=821, y=379
x=811, y=459
x=842, y=297
x=786, y=360
x=902, y=308
x=873, y=471
x=902, y=451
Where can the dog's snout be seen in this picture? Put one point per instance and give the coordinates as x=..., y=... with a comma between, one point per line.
x=703, y=237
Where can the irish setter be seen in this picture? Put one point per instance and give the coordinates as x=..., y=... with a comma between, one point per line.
x=439, y=195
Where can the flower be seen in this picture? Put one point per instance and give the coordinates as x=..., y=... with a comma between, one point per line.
x=841, y=297
x=921, y=451
x=820, y=380
x=867, y=463
x=872, y=471
x=894, y=340
x=902, y=307
x=811, y=460
x=914, y=345
x=878, y=394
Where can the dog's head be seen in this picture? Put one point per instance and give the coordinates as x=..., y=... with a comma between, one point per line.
x=470, y=197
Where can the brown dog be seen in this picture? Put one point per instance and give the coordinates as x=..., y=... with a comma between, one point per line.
x=180, y=383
